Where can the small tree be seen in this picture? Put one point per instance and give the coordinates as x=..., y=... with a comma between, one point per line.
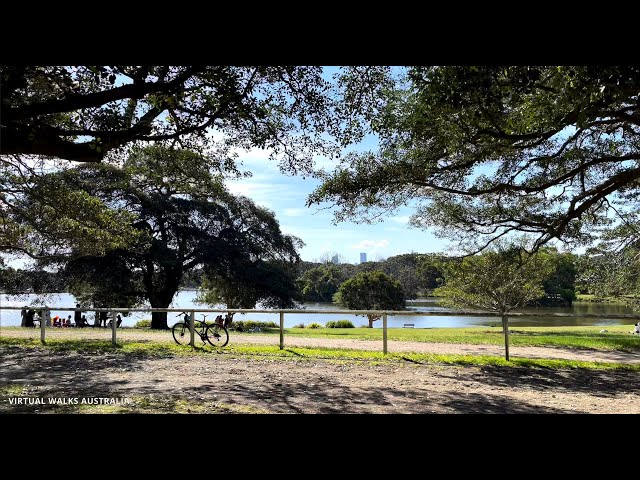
x=500, y=280
x=371, y=291
x=247, y=283
x=321, y=283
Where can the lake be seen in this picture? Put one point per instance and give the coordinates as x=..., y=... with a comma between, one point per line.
x=184, y=299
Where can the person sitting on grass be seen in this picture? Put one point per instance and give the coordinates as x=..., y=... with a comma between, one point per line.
x=56, y=321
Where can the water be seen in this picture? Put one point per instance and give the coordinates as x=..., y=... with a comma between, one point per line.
x=185, y=298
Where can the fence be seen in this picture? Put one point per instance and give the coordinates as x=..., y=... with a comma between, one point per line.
x=382, y=313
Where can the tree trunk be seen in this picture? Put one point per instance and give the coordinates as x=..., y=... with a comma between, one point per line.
x=370, y=321
x=159, y=320
x=505, y=329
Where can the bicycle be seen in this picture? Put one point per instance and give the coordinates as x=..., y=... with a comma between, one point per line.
x=215, y=333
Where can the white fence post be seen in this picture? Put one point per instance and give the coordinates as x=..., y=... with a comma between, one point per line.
x=281, y=330
x=114, y=326
x=384, y=333
x=43, y=324
x=192, y=328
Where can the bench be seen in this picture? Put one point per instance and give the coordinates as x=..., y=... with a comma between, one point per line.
x=408, y=325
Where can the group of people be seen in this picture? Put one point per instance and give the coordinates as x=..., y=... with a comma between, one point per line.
x=30, y=317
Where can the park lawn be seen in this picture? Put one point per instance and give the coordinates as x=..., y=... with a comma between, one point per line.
x=617, y=338
x=151, y=349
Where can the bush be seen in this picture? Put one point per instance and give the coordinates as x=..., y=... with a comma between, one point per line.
x=300, y=325
x=314, y=325
x=250, y=325
x=143, y=324
x=339, y=324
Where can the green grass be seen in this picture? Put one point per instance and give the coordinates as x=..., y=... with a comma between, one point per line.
x=163, y=349
x=617, y=338
x=589, y=297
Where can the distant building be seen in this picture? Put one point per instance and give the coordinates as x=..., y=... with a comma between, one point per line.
x=363, y=257
x=334, y=259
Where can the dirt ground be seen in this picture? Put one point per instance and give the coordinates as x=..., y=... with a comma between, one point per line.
x=394, y=346
x=302, y=386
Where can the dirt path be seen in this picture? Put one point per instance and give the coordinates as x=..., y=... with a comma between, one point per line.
x=292, y=386
x=394, y=346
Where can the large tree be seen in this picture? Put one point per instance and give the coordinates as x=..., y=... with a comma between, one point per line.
x=371, y=291
x=486, y=151
x=96, y=113
x=501, y=279
x=186, y=219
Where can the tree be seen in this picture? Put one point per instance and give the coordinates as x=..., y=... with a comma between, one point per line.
x=186, y=220
x=321, y=283
x=561, y=282
x=97, y=113
x=501, y=279
x=270, y=283
x=371, y=291
x=429, y=271
x=488, y=151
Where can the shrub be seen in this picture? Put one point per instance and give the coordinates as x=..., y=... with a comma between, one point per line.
x=250, y=325
x=314, y=325
x=300, y=325
x=339, y=324
x=143, y=324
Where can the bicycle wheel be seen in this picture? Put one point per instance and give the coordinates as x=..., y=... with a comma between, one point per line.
x=181, y=333
x=217, y=335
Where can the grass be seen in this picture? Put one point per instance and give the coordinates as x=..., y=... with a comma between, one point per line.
x=589, y=297
x=163, y=349
x=589, y=337
x=617, y=338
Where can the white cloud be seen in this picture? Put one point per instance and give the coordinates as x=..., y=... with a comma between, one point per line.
x=296, y=212
x=371, y=244
x=403, y=219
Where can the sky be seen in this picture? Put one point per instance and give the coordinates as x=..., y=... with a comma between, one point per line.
x=286, y=196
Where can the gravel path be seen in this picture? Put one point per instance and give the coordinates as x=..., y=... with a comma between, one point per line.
x=292, y=386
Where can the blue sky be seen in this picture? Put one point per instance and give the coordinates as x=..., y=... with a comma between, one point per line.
x=287, y=195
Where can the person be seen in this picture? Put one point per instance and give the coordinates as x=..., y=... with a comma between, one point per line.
x=102, y=318
x=23, y=317
x=636, y=330
x=118, y=320
x=56, y=321
x=83, y=321
x=77, y=317
x=67, y=323
x=29, y=318
x=37, y=318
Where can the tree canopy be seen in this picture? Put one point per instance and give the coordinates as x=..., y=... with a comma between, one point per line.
x=50, y=115
x=321, y=283
x=81, y=113
x=271, y=283
x=501, y=279
x=185, y=219
x=372, y=290
x=483, y=152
